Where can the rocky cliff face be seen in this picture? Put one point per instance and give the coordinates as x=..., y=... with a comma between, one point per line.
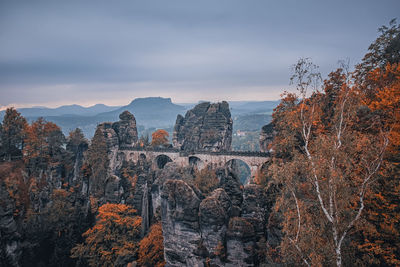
x=223, y=229
x=266, y=136
x=10, y=249
x=205, y=127
x=180, y=221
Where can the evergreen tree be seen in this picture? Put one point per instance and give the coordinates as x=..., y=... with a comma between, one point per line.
x=76, y=141
x=12, y=134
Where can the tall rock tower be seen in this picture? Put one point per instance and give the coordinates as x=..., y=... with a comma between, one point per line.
x=205, y=127
x=126, y=130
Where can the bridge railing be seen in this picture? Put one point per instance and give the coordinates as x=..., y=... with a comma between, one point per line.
x=194, y=152
x=151, y=149
x=234, y=153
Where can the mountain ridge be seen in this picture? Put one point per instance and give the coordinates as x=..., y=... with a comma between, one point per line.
x=150, y=112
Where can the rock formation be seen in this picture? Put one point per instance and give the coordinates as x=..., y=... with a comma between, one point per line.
x=214, y=213
x=126, y=130
x=205, y=127
x=180, y=221
x=117, y=135
x=223, y=229
x=10, y=249
x=266, y=136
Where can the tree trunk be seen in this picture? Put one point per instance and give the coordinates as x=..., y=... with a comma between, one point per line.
x=338, y=257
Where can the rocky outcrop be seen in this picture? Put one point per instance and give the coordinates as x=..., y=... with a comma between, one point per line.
x=240, y=242
x=180, y=223
x=254, y=207
x=267, y=135
x=117, y=135
x=126, y=130
x=10, y=247
x=214, y=216
x=109, y=134
x=205, y=127
x=229, y=181
x=223, y=229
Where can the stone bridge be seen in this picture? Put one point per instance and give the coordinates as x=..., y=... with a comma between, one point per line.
x=159, y=157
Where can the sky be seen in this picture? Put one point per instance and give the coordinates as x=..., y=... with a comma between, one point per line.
x=54, y=53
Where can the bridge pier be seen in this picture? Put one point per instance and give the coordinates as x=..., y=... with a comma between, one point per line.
x=253, y=173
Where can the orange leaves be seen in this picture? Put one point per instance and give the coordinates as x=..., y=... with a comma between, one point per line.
x=387, y=99
x=43, y=141
x=151, y=248
x=159, y=138
x=328, y=149
x=114, y=235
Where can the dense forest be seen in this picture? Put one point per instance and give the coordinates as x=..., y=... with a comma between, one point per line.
x=332, y=181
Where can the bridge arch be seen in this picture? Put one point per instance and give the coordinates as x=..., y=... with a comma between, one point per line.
x=196, y=162
x=241, y=168
x=254, y=160
x=161, y=160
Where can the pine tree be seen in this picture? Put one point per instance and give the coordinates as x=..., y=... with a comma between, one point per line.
x=12, y=134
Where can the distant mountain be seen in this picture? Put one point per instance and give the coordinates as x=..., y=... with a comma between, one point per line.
x=154, y=112
x=150, y=113
x=252, y=107
x=250, y=122
x=64, y=110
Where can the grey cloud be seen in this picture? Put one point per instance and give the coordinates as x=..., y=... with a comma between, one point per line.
x=95, y=46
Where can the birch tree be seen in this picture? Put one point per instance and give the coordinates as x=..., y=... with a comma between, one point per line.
x=333, y=148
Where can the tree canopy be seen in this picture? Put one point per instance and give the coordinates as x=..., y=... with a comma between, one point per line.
x=159, y=138
x=113, y=240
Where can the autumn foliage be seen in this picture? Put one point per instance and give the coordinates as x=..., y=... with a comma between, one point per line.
x=43, y=143
x=336, y=158
x=159, y=138
x=151, y=248
x=113, y=239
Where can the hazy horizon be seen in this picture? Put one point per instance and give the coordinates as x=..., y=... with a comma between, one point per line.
x=127, y=102
x=73, y=52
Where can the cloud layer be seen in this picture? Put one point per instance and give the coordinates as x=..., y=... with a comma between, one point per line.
x=57, y=52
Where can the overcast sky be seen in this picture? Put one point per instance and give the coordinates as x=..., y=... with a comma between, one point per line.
x=87, y=52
